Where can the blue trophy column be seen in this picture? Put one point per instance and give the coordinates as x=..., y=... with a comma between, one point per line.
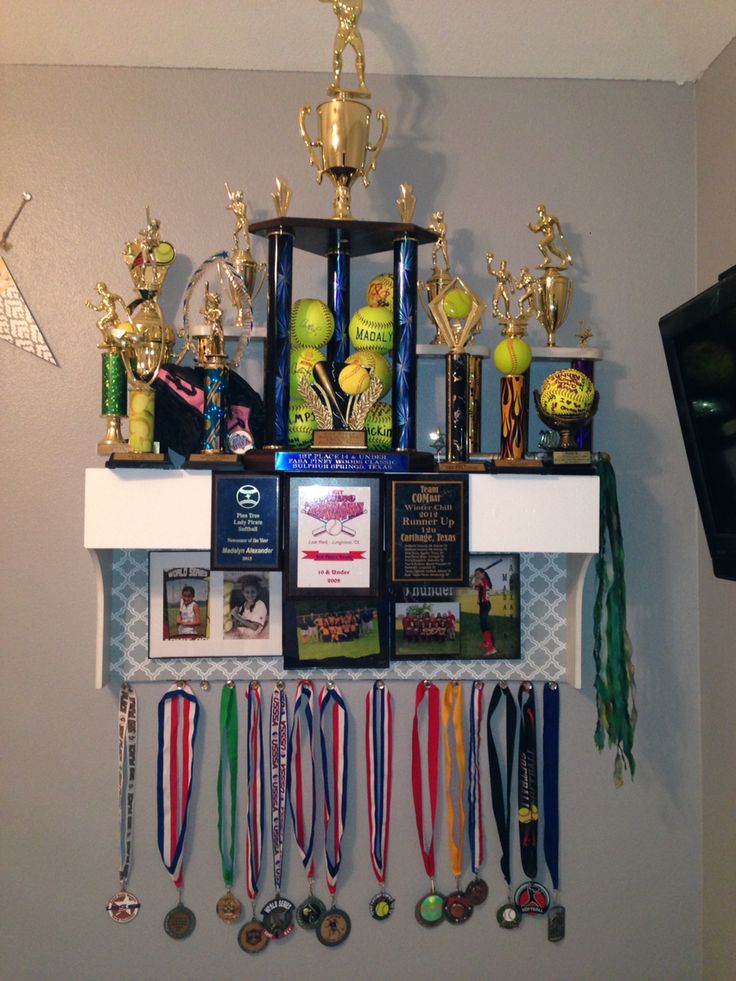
x=405, y=336
x=584, y=435
x=278, y=348
x=214, y=411
x=338, y=296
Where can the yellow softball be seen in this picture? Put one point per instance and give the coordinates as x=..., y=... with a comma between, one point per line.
x=376, y=364
x=512, y=356
x=566, y=392
x=372, y=329
x=353, y=379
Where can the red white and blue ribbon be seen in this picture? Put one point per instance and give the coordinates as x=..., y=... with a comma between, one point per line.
x=475, y=794
x=333, y=730
x=178, y=714
x=255, y=820
x=379, y=761
x=301, y=774
x=279, y=754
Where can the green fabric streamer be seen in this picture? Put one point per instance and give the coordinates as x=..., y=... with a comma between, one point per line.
x=614, y=666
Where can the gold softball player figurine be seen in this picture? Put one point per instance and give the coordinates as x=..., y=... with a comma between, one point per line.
x=348, y=36
x=555, y=289
x=550, y=229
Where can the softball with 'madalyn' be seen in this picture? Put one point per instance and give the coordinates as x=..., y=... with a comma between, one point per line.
x=566, y=392
x=312, y=323
x=376, y=364
x=302, y=424
x=302, y=361
x=372, y=329
x=378, y=427
x=512, y=356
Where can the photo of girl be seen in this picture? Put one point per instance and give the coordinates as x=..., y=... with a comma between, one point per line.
x=186, y=595
x=245, y=607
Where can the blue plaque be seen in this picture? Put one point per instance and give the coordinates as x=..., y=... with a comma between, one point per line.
x=342, y=461
x=246, y=522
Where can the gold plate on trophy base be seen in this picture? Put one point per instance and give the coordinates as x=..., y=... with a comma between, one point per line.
x=571, y=457
x=527, y=463
x=343, y=439
x=214, y=461
x=105, y=448
x=462, y=466
x=130, y=459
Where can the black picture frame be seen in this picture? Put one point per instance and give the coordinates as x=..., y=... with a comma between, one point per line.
x=333, y=536
x=336, y=632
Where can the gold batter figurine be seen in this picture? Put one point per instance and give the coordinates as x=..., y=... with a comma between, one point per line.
x=239, y=208
x=215, y=343
x=528, y=301
x=438, y=225
x=550, y=229
x=504, y=279
x=348, y=35
x=110, y=325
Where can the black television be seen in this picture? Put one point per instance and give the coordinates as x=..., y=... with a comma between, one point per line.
x=699, y=340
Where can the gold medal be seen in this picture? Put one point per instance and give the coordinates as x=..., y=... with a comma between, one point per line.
x=229, y=908
x=334, y=927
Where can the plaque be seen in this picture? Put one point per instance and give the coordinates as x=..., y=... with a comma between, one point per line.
x=334, y=536
x=246, y=522
x=428, y=529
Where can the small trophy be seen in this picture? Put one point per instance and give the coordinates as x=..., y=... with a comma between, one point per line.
x=115, y=332
x=341, y=396
x=457, y=310
x=243, y=272
x=343, y=150
x=441, y=275
x=555, y=288
x=567, y=402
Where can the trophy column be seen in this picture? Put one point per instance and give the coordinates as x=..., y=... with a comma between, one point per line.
x=584, y=435
x=405, y=336
x=338, y=295
x=276, y=385
x=457, y=416
x=514, y=416
x=114, y=401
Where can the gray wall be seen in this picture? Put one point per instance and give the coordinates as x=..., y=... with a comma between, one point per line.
x=617, y=162
x=716, y=141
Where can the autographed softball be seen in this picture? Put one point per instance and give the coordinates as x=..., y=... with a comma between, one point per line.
x=512, y=356
x=302, y=362
x=376, y=364
x=372, y=329
x=566, y=392
x=301, y=424
x=354, y=379
x=378, y=427
x=312, y=323
x=380, y=291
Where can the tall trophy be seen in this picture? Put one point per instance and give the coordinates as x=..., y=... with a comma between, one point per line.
x=457, y=310
x=343, y=148
x=555, y=288
x=150, y=342
x=114, y=387
x=441, y=274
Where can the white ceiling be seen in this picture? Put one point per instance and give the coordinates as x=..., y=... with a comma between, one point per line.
x=668, y=40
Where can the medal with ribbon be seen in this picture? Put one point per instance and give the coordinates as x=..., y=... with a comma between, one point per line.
x=477, y=889
x=531, y=897
x=379, y=762
x=507, y=915
x=302, y=797
x=178, y=715
x=278, y=915
x=424, y=780
x=124, y=906
x=551, y=801
x=334, y=927
x=228, y=908
x=456, y=907
x=252, y=937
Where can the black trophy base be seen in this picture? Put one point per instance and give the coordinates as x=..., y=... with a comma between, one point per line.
x=571, y=458
x=461, y=466
x=132, y=460
x=285, y=460
x=214, y=461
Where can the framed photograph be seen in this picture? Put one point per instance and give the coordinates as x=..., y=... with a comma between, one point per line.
x=195, y=612
x=336, y=633
x=333, y=541
x=476, y=622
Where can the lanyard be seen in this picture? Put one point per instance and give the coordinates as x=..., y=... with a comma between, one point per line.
x=255, y=822
x=452, y=717
x=178, y=715
x=301, y=774
x=279, y=745
x=551, y=780
x=431, y=692
x=379, y=759
x=501, y=806
x=333, y=730
x=228, y=768
x=127, y=733
x=527, y=790
x=475, y=793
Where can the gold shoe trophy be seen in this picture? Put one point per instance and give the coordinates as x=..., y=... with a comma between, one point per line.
x=150, y=342
x=457, y=310
x=343, y=150
x=555, y=288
